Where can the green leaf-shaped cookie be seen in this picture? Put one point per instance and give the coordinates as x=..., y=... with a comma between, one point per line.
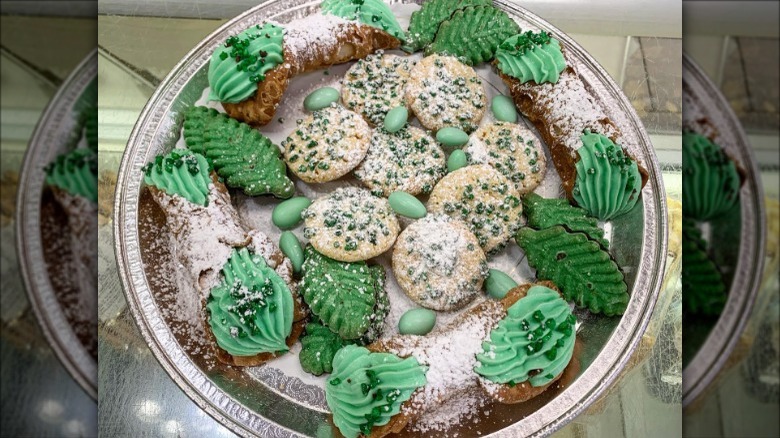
x=346, y=297
x=545, y=213
x=320, y=344
x=425, y=22
x=240, y=154
x=704, y=291
x=473, y=34
x=583, y=271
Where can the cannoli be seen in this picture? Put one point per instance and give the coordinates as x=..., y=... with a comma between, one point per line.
x=251, y=71
x=596, y=172
x=513, y=349
x=252, y=312
x=72, y=178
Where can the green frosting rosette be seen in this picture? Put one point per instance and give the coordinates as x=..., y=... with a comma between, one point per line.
x=238, y=65
x=608, y=181
x=182, y=173
x=710, y=178
x=251, y=310
x=367, y=389
x=75, y=172
x=374, y=13
x=533, y=343
x=531, y=56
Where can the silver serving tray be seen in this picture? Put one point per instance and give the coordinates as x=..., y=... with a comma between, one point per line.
x=266, y=402
x=741, y=251
x=51, y=137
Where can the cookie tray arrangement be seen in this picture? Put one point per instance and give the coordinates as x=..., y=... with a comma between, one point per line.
x=272, y=400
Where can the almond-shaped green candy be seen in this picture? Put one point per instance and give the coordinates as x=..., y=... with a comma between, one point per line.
x=288, y=214
x=417, y=322
x=452, y=137
x=504, y=109
x=406, y=205
x=395, y=119
x=291, y=247
x=321, y=98
x=497, y=284
x=456, y=160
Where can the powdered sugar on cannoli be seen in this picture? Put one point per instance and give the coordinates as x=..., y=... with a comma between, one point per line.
x=309, y=38
x=204, y=236
x=450, y=355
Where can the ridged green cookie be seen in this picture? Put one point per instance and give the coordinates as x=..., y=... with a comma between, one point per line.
x=473, y=34
x=320, y=344
x=241, y=155
x=545, y=213
x=583, y=271
x=425, y=22
x=703, y=285
x=349, y=298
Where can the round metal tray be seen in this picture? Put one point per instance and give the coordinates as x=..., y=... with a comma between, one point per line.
x=741, y=250
x=265, y=401
x=51, y=137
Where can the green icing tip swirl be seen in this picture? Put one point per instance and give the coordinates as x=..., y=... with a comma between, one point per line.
x=182, y=173
x=710, y=178
x=243, y=60
x=608, y=181
x=367, y=389
x=75, y=172
x=251, y=310
x=373, y=13
x=531, y=56
x=533, y=343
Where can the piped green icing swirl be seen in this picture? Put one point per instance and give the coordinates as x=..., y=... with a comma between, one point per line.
x=373, y=13
x=182, y=173
x=531, y=57
x=75, y=172
x=251, y=310
x=238, y=65
x=608, y=181
x=533, y=343
x=367, y=389
x=710, y=179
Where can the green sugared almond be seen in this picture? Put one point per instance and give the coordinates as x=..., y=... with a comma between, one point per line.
x=545, y=213
x=533, y=343
x=320, y=345
x=425, y=22
x=245, y=158
x=584, y=272
x=531, y=56
x=710, y=178
x=75, y=172
x=182, y=173
x=473, y=34
x=608, y=181
x=705, y=291
x=349, y=298
x=367, y=389
x=251, y=310
x=373, y=13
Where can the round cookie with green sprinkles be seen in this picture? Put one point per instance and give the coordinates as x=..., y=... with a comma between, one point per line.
x=444, y=92
x=511, y=149
x=409, y=160
x=350, y=224
x=438, y=263
x=484, y=199
x=375, y=85
x=327, y=144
